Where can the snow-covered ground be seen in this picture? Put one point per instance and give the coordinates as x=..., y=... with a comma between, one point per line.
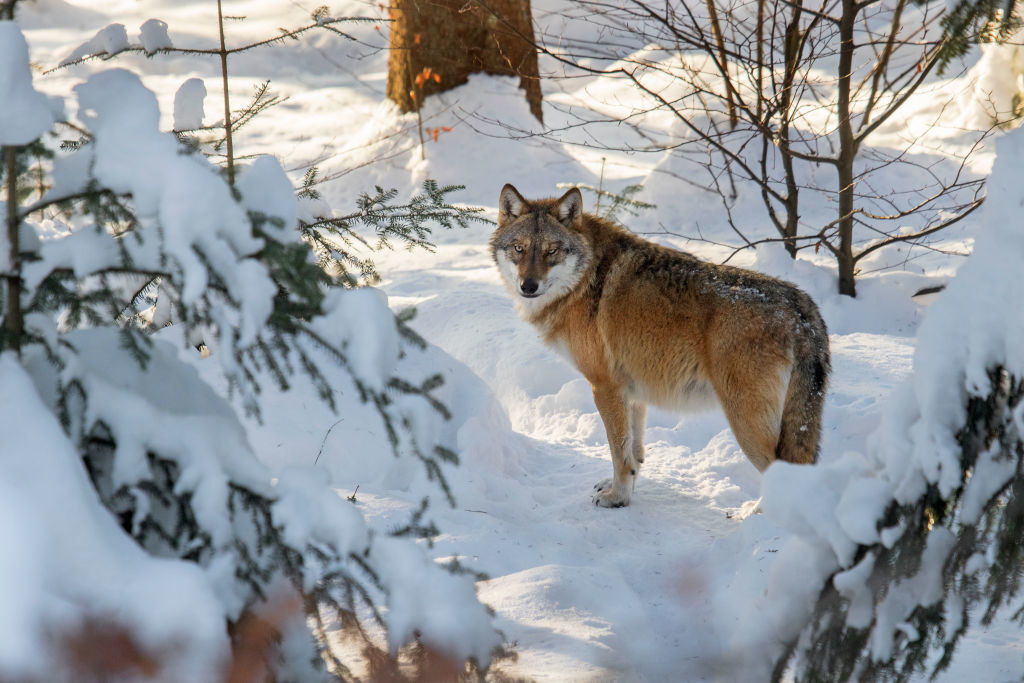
x=661, y=590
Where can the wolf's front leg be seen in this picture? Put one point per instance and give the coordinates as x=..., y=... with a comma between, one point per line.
x=611, y=403
x=637, y=427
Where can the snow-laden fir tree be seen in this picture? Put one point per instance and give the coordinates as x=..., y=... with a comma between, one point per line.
x=928, y=533
x=102, y=405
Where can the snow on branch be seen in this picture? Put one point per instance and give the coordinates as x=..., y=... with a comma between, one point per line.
x=26, y=114
x=107, y=42
x=113, y=40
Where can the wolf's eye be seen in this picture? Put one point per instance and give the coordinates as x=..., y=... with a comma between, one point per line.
x=518, y=248
x=554, y=250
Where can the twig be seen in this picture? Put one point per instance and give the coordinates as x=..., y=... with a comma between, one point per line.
x=324, y=442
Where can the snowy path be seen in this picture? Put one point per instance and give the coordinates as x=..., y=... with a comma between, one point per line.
x=652, y=592
x=587, y=593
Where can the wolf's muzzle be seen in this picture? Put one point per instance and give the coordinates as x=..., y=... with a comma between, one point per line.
x=529, y=287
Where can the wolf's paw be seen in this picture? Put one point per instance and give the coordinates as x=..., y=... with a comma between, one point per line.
x=608, y=496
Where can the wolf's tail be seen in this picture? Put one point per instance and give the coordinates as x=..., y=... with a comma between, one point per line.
x=805, y=398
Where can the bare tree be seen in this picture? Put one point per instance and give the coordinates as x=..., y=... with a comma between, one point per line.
x=769, y=91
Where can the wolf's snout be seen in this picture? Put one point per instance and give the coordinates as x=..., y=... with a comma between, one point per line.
x=528, y=287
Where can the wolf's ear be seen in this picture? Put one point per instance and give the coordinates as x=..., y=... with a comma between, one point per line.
x=510, y=203
x=569, y=209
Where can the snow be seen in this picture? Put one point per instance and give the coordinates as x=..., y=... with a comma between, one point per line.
x=303, y=515
x=192, y=203
x=188, y=105
x=857, y=509
x=108, y=41
x=924, y=589
x=675, y=586
x=70, y=174
x=802, y=499
x=968, y=331
x=79, y=554
x=266, y=189
x=853, y=585
x=160, y=408
x=415, y=594
x=167, y=410
x=84, y=251
x=26, y=113
x=21, y=584
x=153, y=36
x=362, y=322
x=991, y=473
x=997, y=80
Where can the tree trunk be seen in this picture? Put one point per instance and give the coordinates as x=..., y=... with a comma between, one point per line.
x=13, y=327
x=847, y=149
x=792, y=56
x=230, y=152
x=723, y=60
x=437, y=44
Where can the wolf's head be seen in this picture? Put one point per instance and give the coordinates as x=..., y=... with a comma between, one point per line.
x=539, y=247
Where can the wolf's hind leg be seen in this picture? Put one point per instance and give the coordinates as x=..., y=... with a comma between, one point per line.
x=753, y=407
x=615, y=413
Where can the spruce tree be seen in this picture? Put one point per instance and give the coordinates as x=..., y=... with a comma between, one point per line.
x=146, y=231
x=910, y=601
x=949, y=552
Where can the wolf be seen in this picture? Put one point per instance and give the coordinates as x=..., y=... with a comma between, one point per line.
x=649, y=325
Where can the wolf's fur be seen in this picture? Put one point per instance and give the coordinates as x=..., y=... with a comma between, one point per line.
x=646, y=324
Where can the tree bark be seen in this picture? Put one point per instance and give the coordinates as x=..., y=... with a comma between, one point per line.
x=227, y=102
x=14, y=326
x=847, y=149
x=792, y=59
x=437, y=44
x=723, y=60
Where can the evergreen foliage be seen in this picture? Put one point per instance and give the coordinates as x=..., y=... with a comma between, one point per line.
x=157, y=507
x=336, y=240
x=968, y=22
x=909, y=600
x=171, y=462
x=620, y=202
